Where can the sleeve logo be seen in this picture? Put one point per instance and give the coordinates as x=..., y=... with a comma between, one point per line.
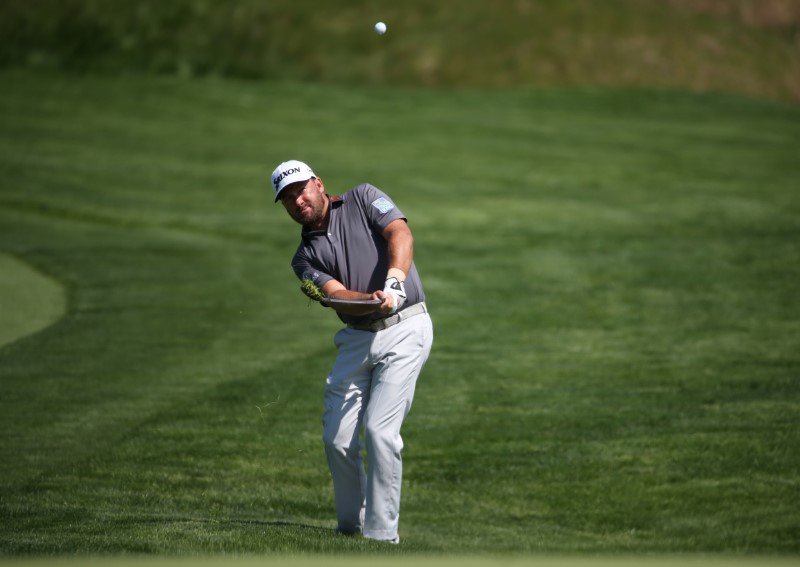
x=309, y=275
x=383, y=205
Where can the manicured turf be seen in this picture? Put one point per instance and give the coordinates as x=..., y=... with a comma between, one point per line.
x=612, y=277
x=29, y=300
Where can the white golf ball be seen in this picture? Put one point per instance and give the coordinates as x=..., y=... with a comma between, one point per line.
x=380, y=28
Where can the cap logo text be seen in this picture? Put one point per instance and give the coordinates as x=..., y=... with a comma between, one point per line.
x=284, y=174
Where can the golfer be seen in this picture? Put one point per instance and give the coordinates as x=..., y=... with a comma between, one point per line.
x=358, y=247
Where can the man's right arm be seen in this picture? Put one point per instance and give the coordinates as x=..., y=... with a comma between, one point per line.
x=336, y=290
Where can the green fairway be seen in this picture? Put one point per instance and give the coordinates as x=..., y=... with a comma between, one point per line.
x=612, y=277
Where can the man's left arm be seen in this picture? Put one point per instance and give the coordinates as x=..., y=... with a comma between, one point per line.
x=401, y=254
x=401, y=246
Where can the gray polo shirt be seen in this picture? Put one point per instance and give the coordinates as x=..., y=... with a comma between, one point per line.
x=352, y=250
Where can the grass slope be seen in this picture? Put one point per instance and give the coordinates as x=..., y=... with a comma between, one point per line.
x=746, y=46
x=612, y=276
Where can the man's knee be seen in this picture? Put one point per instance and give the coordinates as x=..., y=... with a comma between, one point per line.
x=339, y=444
x=382, y=438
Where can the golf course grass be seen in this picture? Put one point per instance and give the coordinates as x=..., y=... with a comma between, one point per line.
x=612, y=276
x=425, y=561
x=29, y=300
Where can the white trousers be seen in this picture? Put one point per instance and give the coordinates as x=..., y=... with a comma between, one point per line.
x=372, y=385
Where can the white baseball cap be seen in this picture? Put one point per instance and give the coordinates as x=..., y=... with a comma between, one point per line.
x=290, y=172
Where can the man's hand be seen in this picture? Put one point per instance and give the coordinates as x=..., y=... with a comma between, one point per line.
x=395, y=289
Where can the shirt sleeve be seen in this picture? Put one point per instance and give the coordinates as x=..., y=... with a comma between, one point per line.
x=379, y=209
x=304, y=269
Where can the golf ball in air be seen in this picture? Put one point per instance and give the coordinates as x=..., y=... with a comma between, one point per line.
x=380, y=28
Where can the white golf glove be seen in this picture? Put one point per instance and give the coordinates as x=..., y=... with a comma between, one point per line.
x=397, y=290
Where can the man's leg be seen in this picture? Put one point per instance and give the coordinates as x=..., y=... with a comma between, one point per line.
x=346, y=396
x=401, y=352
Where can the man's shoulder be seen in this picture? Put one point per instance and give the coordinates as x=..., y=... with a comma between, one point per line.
x=360, y=194
x=301, y=251
x=355, y=191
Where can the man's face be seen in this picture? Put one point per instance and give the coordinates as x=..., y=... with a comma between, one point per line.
x=305, y=201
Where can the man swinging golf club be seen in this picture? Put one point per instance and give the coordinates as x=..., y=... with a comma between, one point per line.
x=356, y=256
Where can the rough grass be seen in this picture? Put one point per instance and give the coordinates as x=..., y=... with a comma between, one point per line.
x=745, y=46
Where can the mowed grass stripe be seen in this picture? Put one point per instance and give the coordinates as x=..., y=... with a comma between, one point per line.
x=611, y=276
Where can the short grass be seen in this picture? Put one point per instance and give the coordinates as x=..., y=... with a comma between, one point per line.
x=29, y=300
x=612, y=277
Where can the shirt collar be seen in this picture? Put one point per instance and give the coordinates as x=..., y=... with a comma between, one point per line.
x=335, y=203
